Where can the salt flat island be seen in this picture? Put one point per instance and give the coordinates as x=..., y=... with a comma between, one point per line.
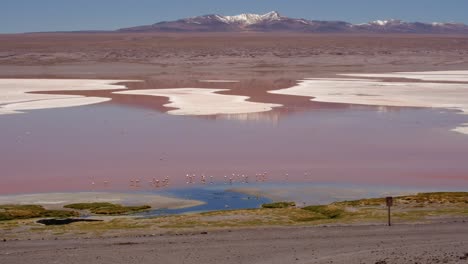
x=19, y=95
x=196, y=101
x=442, y=76
x=452, y=96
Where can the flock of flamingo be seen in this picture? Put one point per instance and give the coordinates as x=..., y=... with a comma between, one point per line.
x=193, y=179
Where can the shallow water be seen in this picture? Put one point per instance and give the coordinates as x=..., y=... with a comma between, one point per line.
x=216, y=198
x=82, y=148
x=225, y=196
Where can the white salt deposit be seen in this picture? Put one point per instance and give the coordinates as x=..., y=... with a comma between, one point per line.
x=219, y=81
x=199, y=101
x=16, y=96
x=379, y=93
x=51, y=103
x=461, y=129
x=448, y=76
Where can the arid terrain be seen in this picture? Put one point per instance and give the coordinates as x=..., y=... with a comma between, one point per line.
x=123, y=138
x=224, y=56
x=260, y=61
x=430, y=243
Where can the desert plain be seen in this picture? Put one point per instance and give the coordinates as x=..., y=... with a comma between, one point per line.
x=366, y=114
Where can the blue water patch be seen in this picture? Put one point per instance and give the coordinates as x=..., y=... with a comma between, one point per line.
x=224, y=197
x=215, y=198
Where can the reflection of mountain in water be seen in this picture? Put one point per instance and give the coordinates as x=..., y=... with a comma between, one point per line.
x=274, y=116
x=267, y=117
x=256, y=89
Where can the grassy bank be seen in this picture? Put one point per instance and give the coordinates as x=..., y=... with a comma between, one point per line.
x=420, y=207
x=107, y=208
x=19, y=212
x=13, y=212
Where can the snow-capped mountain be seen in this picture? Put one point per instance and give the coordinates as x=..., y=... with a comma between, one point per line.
x=399, y=26
x=274, y=22
x=249, y=19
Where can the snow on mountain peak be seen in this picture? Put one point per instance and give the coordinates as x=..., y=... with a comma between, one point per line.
x=273, y=15
x=385, y=22
x=249, y=19
x=274, y=22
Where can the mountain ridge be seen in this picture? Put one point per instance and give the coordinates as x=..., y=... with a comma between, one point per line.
x=275, y=22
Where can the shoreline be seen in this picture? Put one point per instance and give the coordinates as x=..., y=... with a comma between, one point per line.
x=408, y=208
x=58, y=200
x=428, y=221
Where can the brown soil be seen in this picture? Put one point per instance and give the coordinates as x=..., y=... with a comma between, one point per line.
x=429, y=243
x=227, y=56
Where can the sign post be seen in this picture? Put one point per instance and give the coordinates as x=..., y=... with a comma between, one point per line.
x=389, y=201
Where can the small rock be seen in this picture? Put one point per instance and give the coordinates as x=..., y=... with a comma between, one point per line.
x=204, y=233
x=464, y=257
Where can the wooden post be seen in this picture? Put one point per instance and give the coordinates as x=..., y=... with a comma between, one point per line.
x=389, y=201
x=389, y=217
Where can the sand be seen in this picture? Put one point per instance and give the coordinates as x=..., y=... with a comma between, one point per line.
x=58, y=200
x=197, y=101
x=18, y=95
x=380, y=93
x=403, y=243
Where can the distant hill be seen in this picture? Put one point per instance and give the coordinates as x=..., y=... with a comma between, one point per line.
x=274, y=22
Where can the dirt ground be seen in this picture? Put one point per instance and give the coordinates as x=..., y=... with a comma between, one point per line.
x=165, y=57
x=444, y=242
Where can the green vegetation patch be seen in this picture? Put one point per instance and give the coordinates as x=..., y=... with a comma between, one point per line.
x=418, y=200
x=406, y=208
x=328, y=211
x=279, y=205
x=13, y=212
x=437, y=198
x=362, y=202
x=108, y=208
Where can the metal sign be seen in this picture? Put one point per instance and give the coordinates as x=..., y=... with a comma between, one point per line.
x=389, y=201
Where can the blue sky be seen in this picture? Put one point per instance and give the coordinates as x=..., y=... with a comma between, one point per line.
x=56, y=15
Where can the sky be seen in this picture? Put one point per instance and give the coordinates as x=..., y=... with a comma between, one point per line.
x=18, y=16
